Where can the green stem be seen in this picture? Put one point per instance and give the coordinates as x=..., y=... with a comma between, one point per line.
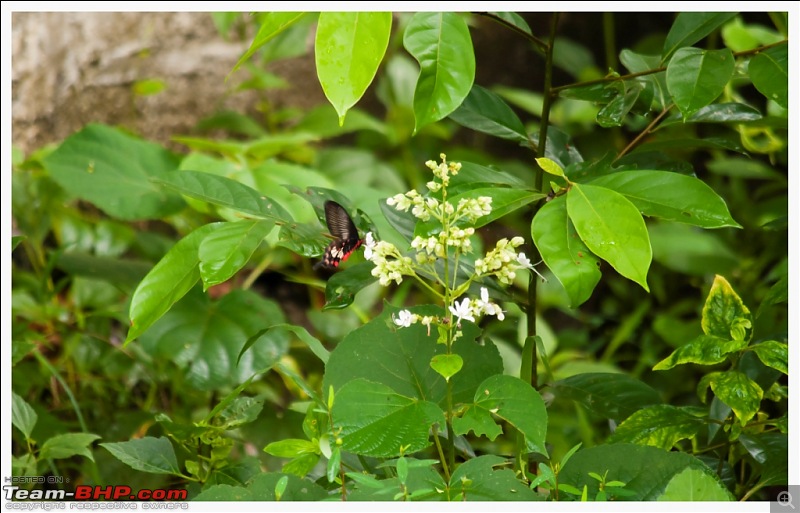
x=445, y=466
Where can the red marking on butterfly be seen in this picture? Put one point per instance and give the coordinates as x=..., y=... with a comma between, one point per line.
x=347, y=240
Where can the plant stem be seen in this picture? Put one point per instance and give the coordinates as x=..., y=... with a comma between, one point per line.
x=445, y=466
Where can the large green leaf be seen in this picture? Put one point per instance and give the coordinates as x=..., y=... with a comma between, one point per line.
x=703, y=350
x=735, y=389
x=442, y=45
x=564, y=253
x=341, y=288
x=373, y=420
x=671, y=196
x=697, y=77
x=717, y=113
x=272, y=24
x=168, y=281
x=400, y=359
x=661, y=425
x=227, y=249
x=486, y=112
x=769, y=71
x=724, y=313
x=349, y=48
x=67, y=445
x=690, y=27
x=610, y=395
x=695, y=485
x=112, y=170
x=223, y=191
x=205, y=338
x=478, y=480
x=148, y=454
x=646, y=471
x=512, y=400
x=612, y=228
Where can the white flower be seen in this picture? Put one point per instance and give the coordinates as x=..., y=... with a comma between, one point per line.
x=404, y=318
x=523, y=261
x=463, y=311
x=484, y=305
x=369, y=246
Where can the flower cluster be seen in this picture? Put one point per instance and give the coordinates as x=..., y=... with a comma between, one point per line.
x=466, y=310
x=452, y=239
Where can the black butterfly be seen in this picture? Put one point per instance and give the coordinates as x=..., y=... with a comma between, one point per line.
x=347, y=240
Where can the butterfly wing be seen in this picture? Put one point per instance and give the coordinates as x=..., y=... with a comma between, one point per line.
x=347, y=240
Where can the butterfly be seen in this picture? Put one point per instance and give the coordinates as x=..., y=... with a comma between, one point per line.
x=347, y=240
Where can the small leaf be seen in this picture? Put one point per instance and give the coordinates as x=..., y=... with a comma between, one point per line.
x=23, y=416
x=148, y=454
x=736, y=390
x=695, y=485
x=612, y=227
x=68, y=445
x=442, y=45
x=773, y=354
x=291, y=447
x=349, y=47
x=548, y=166
x=447, y=365
x=722, y=310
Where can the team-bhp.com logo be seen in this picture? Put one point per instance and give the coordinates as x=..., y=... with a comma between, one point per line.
x=94, y=493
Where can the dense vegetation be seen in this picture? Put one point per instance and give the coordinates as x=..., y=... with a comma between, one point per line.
x=168, y=318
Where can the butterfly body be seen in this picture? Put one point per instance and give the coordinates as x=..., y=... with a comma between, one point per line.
x=347, y=240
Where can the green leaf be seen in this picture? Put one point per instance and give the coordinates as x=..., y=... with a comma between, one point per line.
x=671, y=196
x=121, y=272
x=23, y=416
x=376, y=421
x=68, y=445
x=697, y=77
x=744, y=168
x=348, y=49
x=341, y=288
x=225, y=192
x=564, y=253
x=301, y=465
x=486, y=112
x=548, y=166
x=291, y=447
x=690, y=27
x=442, y=45
x=15, y=240
x=695, y=485
x=613, y=114
x=272, y=24
x=610, y=395
x=447, y=365
x=718, y=113
x=300, y=332
x=514, y=19
x=704, y=350
x=262, y=488
x=661, y=425
x=241, y=410
x=204, y=338
x=773, y=354
x=723, y=310
x=400, y=359
x=690, y=250
x=167, y=282
x=612, y=228
x=478, y=480
x=148, y=454
x=646, y=471
x=227, y=249
x=735, y=389
x=112, y=170
x=769, y=71
x=512, y=400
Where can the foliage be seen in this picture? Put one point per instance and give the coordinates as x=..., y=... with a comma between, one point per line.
x=166, y=304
